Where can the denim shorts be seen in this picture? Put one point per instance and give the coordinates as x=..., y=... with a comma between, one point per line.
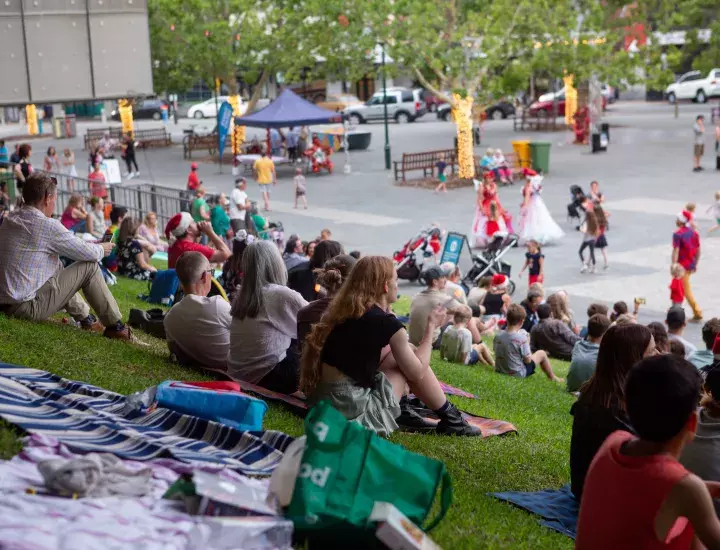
x=473, y=357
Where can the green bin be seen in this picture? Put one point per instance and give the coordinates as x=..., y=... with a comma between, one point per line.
x=540, y=156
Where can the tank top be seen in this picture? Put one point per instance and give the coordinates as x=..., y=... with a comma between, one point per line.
x=493, y=303
x=26, y=169
x=67, y=219
x=622, y=497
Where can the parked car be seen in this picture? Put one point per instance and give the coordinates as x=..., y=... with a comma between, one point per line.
x=543, y=107
x=339, y=102
x=432, y=102
x=498, y=111
x=206, y=109
x=147, y=108
x=403, y=105
x=696, y=86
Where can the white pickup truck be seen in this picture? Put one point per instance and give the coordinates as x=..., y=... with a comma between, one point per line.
x=696, y=86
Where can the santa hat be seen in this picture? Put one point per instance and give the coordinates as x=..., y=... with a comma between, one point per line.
x=527, y=172
x=499, y=280
x=716, y=347
x=178, y=224
x=684, y=217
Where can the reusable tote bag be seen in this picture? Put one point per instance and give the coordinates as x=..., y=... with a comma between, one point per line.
x=346, y=468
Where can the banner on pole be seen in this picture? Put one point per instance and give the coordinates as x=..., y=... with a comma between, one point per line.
x=225, y=115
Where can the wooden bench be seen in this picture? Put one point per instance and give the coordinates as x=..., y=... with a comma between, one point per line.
x=516, y=170
x=155, y=137
x=543, y=123
x=424, y=161
x=193, y=142
x=94, y=135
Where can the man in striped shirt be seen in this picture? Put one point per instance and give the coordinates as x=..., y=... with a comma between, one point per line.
x=33, y=283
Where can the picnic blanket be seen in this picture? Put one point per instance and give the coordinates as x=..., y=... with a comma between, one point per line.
x=488, y=426
x=557, y=507
x=90, y=419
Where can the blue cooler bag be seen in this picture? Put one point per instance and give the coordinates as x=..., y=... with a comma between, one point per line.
x=218, y=401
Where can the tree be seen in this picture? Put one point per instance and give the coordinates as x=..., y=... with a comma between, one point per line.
x=476, y=50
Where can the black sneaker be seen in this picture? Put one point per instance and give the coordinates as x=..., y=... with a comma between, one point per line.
x=452, y=423
x=411, y=421
x=138, y=318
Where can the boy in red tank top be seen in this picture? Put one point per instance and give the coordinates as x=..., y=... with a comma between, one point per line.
x=637, y=494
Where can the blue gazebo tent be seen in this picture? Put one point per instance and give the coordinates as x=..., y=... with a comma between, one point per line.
x=287, y=110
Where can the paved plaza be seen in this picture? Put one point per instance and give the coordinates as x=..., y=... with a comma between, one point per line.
x=646, y=177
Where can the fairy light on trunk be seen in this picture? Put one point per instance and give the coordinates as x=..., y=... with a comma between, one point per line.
x=126, y=115
x=462, y=115
x=571, y=100
x=238, y=132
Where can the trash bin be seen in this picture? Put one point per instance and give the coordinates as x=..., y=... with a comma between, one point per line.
x=58, y=127
x=540, y=155
x=522, y=151
x=70, y=126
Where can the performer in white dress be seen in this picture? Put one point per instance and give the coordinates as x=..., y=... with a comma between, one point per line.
x=536, y=223
x=490, y=216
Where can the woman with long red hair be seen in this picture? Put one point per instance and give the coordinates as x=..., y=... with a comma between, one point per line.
x=358, y=356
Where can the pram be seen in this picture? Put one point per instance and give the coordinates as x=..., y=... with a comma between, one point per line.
x=489, y=261
x=427, y=244
x=578, y=197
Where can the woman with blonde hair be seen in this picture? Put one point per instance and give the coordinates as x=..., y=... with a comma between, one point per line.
x=560, y=310
x=358, y=356
x=148, y=232
x=132, y=261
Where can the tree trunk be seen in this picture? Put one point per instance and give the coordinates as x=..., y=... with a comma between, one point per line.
x=257, y=91
x=462, y=115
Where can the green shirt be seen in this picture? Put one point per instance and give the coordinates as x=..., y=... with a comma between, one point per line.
x=197, y=205
x=220, y=220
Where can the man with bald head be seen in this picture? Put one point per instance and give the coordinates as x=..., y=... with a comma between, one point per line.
x=198, y=327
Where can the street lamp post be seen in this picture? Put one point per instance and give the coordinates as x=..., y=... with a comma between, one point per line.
x=385, y=110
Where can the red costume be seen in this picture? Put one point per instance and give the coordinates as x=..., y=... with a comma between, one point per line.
x=319, y=156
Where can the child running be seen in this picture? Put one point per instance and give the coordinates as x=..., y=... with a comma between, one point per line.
x=534, y=263
x=677, y=290
x=512, y=349
x=715, y=211
x=300, y=188
x=442, y=178
x=456, y=345
x=637, y=494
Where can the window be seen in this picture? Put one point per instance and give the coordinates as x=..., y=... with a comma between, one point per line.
x=375, y=100
x=407, y=96
x=716, y=74
x=391, y=99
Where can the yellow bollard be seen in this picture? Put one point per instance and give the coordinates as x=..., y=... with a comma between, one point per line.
x=126, y=115
x=462, y=115
x=32, y=121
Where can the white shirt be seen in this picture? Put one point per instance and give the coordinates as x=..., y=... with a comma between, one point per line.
x=456, y=343
x=200, y=326
x=454, y=290
x=237, y=197
x=257, y=345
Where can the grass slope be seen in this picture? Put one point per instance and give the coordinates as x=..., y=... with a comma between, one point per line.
x=534, y=459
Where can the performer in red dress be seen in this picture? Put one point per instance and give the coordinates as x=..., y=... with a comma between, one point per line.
x=319, y=156
x=486, y=195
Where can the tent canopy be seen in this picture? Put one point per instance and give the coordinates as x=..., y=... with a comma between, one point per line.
x=287, y=110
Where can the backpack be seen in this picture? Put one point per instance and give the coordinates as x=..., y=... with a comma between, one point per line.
x=163, y=287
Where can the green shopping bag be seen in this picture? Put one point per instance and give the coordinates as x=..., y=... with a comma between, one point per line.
x=346, y=468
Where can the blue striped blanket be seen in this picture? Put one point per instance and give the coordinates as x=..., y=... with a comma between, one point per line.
x=90, y=419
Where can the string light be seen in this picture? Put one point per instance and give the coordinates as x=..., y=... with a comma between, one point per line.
x=462, y=115
x=238, y=132
x=32, y=120
x=571, y=100
x=126, y=115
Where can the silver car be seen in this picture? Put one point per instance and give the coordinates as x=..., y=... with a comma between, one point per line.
x=403, y=106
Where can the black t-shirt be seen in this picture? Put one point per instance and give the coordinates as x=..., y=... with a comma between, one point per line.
x=353, y=347
x=534, y=259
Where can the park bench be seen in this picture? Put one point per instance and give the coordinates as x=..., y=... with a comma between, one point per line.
x=153, y=137
x=516, y=170
x=424, y=161
x=523, y=121
x=94, y=135
x=192, y=142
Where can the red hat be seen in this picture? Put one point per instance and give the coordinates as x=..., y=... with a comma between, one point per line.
x=499, y=279
x=527, y=172
x=716, y=346
x=193, y=166
x=178, y=224
x=684, y=217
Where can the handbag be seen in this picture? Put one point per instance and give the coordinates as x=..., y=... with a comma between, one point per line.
x=346, y=468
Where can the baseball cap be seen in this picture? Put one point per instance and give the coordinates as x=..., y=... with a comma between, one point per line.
x=448, y=267
x=675, y=316
x=435, y=272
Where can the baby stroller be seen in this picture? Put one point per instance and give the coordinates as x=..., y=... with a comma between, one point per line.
x=578, y=197
x=427, y=244
x=489, y=261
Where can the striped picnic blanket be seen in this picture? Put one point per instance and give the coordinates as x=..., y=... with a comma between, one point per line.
x=90, y=419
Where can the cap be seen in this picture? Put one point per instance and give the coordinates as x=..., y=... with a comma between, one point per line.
x=193, y=166
x=449, y=267
x=434, y=273
x=499, y=280
x=527, y=172
x=675, y=316
x=178, y=224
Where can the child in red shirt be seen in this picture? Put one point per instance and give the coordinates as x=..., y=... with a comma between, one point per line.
x=677, y=290
x=637, y=494
x=493, y=223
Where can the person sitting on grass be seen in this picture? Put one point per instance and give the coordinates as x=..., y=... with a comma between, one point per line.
x=660, y=335
x=330, y=277
x=496, y=299
x=531, y=304
x=593, y=309
x=552, y=335
x=302, y=277
x=600, y=410
x=148, y=232
x=702, y=455
x=198, y=327
x=232, y=275
x=477, y=293
x=676, y=323
x=512, y=349
x=452, y=285
x=457, y=342
x=263, y=332
x=585, y=353
x=33, y=283
x=637, y=493
x=677, y=348
x=426, y=301
x=95, y=222
x=74, y=216
x=185, y=232
x=560, y=310
x=133, y=261
x=710, y=332
x=621, y=308
x=358, y=356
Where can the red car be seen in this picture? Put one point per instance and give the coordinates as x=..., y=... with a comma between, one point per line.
x=544, y=105
x=432, y=102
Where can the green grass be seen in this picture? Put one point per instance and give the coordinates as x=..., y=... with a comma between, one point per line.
x=535, y=458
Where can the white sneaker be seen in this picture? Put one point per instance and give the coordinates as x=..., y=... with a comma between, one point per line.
x=592, y=268
x=584, y=268
x=126, y=175
x=130, y=176
x=137, y=174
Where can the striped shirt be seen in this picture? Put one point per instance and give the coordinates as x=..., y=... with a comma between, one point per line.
x=30, y=248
